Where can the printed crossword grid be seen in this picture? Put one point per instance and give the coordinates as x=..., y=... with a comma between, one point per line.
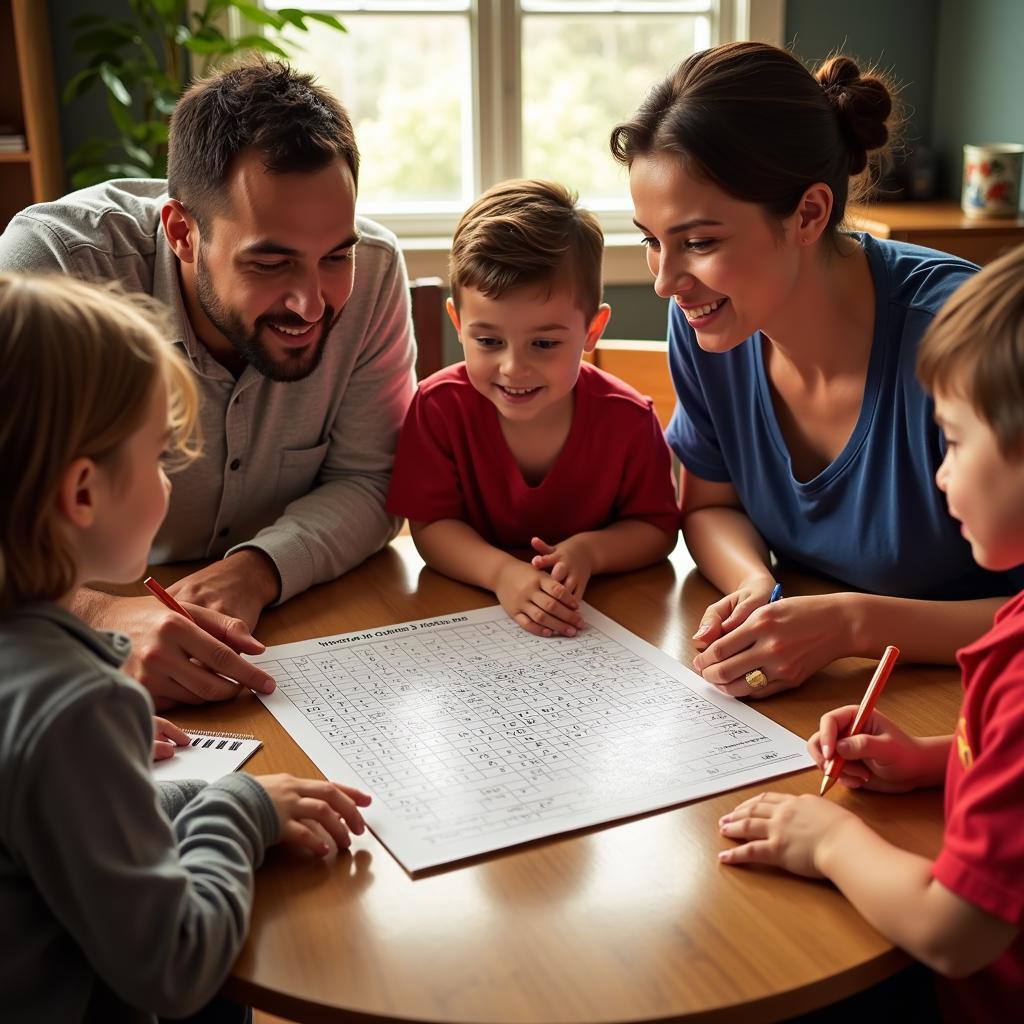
x=478, y=729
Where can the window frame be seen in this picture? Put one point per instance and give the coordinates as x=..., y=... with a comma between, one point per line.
x=495, y=32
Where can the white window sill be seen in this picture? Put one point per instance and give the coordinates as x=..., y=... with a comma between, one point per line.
x=624, y=261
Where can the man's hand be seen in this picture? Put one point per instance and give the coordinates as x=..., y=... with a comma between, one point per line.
x=539, y=603
x=241, y=585
x=178, y=661
x=570, y=563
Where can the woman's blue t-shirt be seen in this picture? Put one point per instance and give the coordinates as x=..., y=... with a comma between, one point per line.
x=873, y=519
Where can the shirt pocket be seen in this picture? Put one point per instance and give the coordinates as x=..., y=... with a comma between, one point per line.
x=297, y=472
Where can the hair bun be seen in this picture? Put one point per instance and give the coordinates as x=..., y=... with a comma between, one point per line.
x=863, y=104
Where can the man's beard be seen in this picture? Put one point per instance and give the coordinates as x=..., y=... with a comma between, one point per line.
x=294, y=364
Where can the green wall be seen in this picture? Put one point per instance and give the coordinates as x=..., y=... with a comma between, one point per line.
x=897, y=37
x=979, y=88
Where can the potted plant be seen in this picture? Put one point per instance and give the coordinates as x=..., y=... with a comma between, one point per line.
x=143, y=61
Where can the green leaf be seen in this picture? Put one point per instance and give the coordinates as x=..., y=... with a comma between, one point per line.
x=126, y=170
x=209, y=34
x=141, y=156
x=261, y=43
x=113, y=82
x=169, y=10
x=82, y=82
x=121, y=116
x=152, y=135
x=325, y=19
x=164, y=104
x=293, y=16
x=258, y=15
x=92, y=151
x=91, y=175
x=205, y=47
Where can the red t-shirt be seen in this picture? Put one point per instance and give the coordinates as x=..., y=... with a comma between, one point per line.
x=453, y=463
x=982, y=857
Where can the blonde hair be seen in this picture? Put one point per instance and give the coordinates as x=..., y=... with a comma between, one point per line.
x=524, y=232
x=974, y=349
x=78, y=365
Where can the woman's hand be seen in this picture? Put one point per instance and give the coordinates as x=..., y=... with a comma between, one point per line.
x=724, y=615
x=788, y=641
x=881, y=756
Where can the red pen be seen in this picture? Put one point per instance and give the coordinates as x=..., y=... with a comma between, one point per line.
x=834, y=766
x=161, y=595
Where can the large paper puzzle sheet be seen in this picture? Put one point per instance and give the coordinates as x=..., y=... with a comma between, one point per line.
x=473, y=735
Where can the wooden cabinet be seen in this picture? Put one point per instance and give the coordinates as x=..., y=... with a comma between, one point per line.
x=940, y=225
x=28, y=105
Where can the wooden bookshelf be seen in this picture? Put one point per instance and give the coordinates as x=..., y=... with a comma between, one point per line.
x=28, y=103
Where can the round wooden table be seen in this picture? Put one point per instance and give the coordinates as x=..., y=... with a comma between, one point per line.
x=633, y=921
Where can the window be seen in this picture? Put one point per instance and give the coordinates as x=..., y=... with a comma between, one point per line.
x=451, y=96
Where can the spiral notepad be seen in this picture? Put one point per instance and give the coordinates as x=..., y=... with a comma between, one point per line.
x=210, y=756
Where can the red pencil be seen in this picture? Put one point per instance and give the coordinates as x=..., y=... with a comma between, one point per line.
x=161, y=595
x=834, y=766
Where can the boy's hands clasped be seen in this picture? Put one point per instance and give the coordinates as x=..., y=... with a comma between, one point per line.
x=544, y=595
x=536, y=600
x=571, y=562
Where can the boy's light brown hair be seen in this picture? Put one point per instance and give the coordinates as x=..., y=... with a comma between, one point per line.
x=974, y=349
x=78, y=365
x=528, y=232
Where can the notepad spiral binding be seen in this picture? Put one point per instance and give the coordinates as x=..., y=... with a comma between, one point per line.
x=221, y=735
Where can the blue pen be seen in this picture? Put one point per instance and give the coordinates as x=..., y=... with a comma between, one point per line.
x=776, y=593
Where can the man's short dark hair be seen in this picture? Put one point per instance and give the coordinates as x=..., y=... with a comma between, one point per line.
x=294, y=124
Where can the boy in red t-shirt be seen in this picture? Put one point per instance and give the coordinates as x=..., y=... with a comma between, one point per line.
x=962, y=913
x=521, y=470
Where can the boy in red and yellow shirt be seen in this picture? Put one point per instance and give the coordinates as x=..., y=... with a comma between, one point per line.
x=962, y=913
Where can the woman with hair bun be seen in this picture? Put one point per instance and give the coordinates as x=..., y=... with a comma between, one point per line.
x=800, y=426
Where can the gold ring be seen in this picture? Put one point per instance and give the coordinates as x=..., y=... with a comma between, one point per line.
x=756, y=679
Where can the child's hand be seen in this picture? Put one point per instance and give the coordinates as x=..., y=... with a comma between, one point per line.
x=570, y=563
x=302, y=804
x=537, y=601
x=167, y=736
x=881, y=757
x=781, y=830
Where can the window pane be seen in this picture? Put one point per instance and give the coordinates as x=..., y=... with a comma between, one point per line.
x=405, y=81
x=581, y=77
